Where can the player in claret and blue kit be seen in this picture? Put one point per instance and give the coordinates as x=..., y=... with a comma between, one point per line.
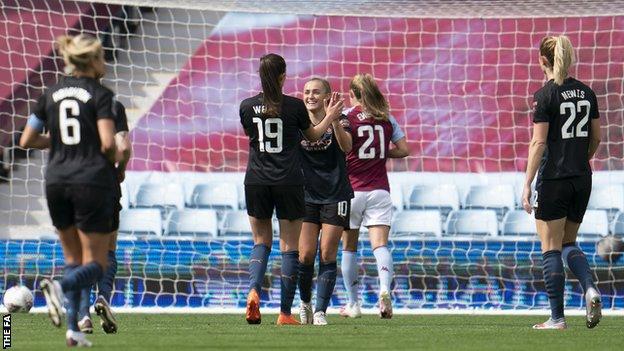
x=566, y=135
x=372, y=129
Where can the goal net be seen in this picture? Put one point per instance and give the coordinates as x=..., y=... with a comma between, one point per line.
x=459, y=77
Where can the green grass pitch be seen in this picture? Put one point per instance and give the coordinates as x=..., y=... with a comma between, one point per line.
x=177, y=332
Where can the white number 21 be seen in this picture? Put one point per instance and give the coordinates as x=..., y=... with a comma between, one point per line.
x=366, y=151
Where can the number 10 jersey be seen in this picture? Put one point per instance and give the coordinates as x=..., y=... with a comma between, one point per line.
x=274, y=150
x=569, y=109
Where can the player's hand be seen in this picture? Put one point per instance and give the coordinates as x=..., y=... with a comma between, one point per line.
x=333, y=106
x=526, y=199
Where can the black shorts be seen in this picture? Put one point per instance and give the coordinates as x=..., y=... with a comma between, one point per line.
x=288, y=201
x=89, y=208
x=116, y=211
x=336, y=214
x=559, y=198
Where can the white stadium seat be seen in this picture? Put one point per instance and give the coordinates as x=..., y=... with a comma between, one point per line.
x=595, y=224
x=472, y=223
x=160, y=195
x=607, y=197
x=498, y=197
x=617, y=225
x=519, y=223
x=192, y=222
x=444, y=198
x=217, y=195
x=235, y=224
x=140, y=221
x=417, y=223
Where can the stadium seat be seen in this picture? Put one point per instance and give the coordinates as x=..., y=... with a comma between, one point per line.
x=444, y=198
x=608, y=197
x=595, y=225
x=519, y=223
x=160, y=196
x=235, y=224
x=396, y=194
x=417, y=223
x=472, y=223
x=217, y=195
x=192, y=222
x=498, y=197
x=125, y=196
x=140, y=221
x=617, y=225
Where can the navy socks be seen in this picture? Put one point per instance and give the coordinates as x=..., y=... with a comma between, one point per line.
x=325, y=285
x=72, y=301
x=577, y=262
x=290, y=273
x=554, y=279
x=107, y=283
x=306, y=273
x=257, y=266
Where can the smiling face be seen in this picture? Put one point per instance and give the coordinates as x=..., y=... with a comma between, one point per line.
x=314, y=93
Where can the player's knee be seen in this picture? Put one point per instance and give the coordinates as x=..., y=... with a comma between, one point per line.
x=328, y=255
x=306, y=257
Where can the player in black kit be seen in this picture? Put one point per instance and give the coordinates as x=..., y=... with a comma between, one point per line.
x=274, y=179
x=328, y=195
x=105, y=285
x=78, y=114
x=566, y=134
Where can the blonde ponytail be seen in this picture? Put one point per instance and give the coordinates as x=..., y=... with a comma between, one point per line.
x=367, y=92
x=79, y=52
x=563, y=58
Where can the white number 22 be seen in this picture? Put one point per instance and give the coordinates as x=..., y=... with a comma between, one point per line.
x=569, y=108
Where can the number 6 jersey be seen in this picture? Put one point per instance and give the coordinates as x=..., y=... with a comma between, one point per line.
x=70, y=110
x=568, y=108
x=274, y=151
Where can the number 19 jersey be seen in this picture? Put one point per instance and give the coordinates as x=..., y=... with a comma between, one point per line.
x=274, y=150
x=70, y=110
x=366, y=162
x=569, y=109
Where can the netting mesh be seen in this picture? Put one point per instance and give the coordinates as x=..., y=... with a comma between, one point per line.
x=459, y=77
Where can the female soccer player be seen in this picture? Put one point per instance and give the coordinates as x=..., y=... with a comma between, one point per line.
x=373, y=129
x=274, y=179
x=79, y=179
x=566, y=124
x=328, y=197
x=105, y=285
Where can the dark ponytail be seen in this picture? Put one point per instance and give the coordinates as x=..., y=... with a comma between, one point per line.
x=272, y=66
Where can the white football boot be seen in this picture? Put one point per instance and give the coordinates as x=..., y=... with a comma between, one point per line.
x=593, y=305
x=77, y=339
x=320, y=318
x=385, y=305
x=552, y=324
x=351, y=310
x=305, y=312
x=53, y=294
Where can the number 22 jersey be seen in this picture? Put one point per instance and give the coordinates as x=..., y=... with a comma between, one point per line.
x=569, y=109
x=274, y=151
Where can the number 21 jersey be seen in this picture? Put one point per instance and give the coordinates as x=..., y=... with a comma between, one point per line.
x=274, y=151
x=569, y=109
x=366, y=162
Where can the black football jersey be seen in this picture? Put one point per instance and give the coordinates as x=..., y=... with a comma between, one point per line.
x=119, y=113
x=568, y=109
x=325, y=169
x=70, y=110
x=274, y=151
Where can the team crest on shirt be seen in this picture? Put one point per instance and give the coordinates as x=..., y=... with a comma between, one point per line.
x=319, y=145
